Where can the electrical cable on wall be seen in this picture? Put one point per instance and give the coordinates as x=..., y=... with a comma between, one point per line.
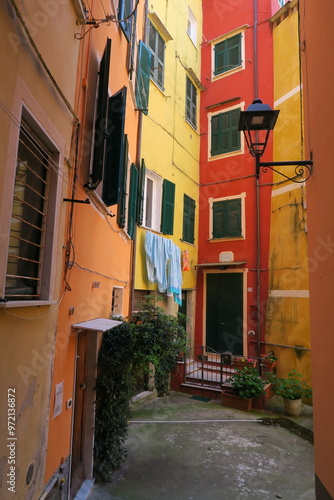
x=95, y=23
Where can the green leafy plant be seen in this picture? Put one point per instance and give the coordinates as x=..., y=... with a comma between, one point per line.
x=247, y=383
x=291, y=387
x=114, y=389
x=160, y=339
x=152, y=336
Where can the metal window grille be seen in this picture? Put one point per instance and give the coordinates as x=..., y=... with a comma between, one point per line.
x=28, y=218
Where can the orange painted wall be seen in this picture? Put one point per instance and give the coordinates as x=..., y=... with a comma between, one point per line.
x=101, y=251
x=318, y=71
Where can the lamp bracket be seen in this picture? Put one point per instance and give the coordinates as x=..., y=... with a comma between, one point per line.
x=302, y=167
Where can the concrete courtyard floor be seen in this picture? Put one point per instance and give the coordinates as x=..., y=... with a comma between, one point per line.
x=180, y=448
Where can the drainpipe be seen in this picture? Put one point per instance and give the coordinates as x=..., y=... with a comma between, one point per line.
x=257, y=187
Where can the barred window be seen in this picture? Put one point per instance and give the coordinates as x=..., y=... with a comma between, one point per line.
x=29, y=215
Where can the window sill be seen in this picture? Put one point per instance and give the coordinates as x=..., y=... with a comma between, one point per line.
x=219, y=240
x=194, y=127
x=26, y=303
x=161, y=89
x=98, y=202
x=188, y=243
x=146, y=228
x=227, y=73
x=225, y=155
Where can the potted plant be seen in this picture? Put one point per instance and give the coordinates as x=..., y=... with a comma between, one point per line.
x=243, y=362
x=271, y=361
x=293, y=390
x=245, y=384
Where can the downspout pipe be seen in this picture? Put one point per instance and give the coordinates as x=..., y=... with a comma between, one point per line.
x=257, y=188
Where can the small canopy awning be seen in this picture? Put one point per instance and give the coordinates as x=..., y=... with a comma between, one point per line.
x=221, y=264
x=98, y=324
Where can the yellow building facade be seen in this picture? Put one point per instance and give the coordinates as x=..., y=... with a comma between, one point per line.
x=288, y=327
x=170, y=142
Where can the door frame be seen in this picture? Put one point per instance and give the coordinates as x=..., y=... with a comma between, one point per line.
x=244, y=305
x=92, y=339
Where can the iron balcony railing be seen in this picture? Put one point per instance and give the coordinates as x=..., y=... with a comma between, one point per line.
x=208, y=368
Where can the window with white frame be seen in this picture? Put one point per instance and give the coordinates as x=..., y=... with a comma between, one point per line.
x=191, y=102
x=224, y=134
x=152, y=200
x=117, y=302
x=157, y=46
x=227, y=217
x=228, y=54
x=192, y=26
x=28, y=272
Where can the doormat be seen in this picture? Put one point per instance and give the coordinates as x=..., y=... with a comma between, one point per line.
x=200, y=398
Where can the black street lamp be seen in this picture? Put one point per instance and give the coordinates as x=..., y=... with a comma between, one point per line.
x=256, y=123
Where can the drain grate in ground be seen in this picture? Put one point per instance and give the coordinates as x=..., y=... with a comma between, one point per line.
x=200, y=398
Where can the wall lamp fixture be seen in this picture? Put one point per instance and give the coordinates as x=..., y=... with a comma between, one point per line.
x=256, y=123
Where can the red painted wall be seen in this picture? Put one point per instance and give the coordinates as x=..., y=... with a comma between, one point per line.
x=233, y=175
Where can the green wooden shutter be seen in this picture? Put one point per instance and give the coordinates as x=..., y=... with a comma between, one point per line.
x=216, y=135
x=167, y=214
x=188, y=219
x=131, y=61
x=233, y=218
x=226, y=218
x=227, y=54
x=124, y=11
x=141, y=193
x=122, y=184
x=225, y=136
x=234, y=51
x=234, y=132
x=220, y=57
x=114, y=149
x=217, y=219
x=143, y=77
x=132, y=209
x=101, y=118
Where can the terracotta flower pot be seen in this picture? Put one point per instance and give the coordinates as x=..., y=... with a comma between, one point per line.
x=234, y=401
x=244, y=364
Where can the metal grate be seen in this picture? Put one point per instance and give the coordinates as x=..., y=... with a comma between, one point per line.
x=28, y=218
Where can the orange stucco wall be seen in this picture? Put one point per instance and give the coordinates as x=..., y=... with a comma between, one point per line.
x=318, y=70
x=99, y=250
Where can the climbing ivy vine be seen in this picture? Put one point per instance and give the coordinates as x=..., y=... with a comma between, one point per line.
x=150, y=338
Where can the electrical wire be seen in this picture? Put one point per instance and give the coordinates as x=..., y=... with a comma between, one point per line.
x=51, y=162
x=75, y=264
x=43, y=63
x=95, y=23
x=36, y=317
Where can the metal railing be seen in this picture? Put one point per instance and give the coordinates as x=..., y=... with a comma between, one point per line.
x=208, y=368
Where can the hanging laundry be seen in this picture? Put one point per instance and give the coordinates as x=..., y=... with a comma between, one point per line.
x=163, y=263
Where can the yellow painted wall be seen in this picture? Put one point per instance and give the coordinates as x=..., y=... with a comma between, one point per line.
x=288, y=312
x=170, y=146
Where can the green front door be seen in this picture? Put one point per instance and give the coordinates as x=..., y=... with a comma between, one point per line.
x=224, y=312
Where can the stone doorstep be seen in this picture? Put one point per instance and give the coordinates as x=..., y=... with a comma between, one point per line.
x=85, y=489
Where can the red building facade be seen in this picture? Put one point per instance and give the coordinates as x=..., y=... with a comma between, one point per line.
x=232, y=283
